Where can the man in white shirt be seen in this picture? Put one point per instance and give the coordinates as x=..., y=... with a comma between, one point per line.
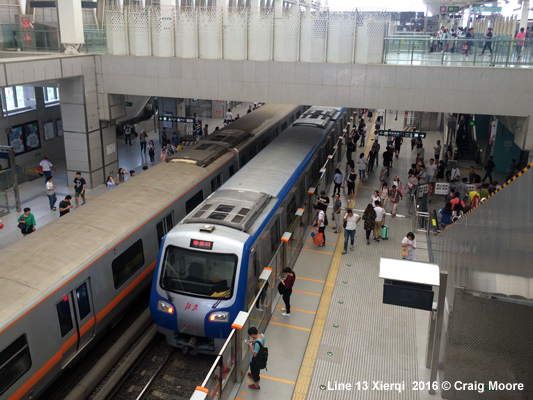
x=409, y=242
x=229, y=116
x=380, y=216
x=46, y=165
x=351, y=221
x=430, y=170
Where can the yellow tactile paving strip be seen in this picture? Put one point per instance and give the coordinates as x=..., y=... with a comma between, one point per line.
x=308, y=363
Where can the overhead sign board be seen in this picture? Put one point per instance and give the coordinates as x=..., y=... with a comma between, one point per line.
x=176, y=119
x=453, y=8
x=416, y=135
x=487, y=9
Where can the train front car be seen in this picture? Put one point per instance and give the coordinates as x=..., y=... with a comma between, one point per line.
x=198, y=289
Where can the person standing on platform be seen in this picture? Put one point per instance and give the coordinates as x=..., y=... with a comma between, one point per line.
x=79, y=188
x=164, y=138
x=142, y=138
x=380, y=216
x=420, y=153
x=372, y=156
x=50, y=192
x=384, y=195
x=361, y=165
x=376, y=147
x=351, y=220
x=288, y=283
x=127, y=134
x=163, y=154
x=369, y=216
x=249, y=110
x=121, y=176
x=520, y=36
x=151, y=151
x=488, y=170
x=337, y=206
x=362, y=134
x=468, y=42
x=350, y=148
x=337, y=181
x=110, y=183
x=254, y=349
x=46, y=165
x=409, y=242
x=175, y=141
x=320, y=225
x=229, y=116
x=488, y=37
x=398, y=141
x=205, y=131
x=350, y=182
x=65, y=206
x=27, y=222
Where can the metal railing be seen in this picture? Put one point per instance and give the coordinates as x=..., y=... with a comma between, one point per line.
x=506, y=52
x=421, y=219
x=24, y=174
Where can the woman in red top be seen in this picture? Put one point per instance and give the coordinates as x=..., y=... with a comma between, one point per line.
x=288, y=283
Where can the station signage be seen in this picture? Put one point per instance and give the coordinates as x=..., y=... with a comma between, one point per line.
x=176, y=119
x=487, y=9
x=453, y=8
x=415, y=135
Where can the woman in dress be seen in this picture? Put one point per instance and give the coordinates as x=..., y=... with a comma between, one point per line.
x=369, y=216
x=384, y=194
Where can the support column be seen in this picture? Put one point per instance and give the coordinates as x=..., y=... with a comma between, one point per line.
x=89, y=148
x=70, y=25
x=525, y=14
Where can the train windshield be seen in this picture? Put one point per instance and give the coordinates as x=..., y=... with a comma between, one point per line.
x=198, y=273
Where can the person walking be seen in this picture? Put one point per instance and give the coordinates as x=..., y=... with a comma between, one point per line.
x=46, y=165
x=254, y=349
x=288, y=283
x=64, y=205
x=351, y=221
x=361, y=165
x=384, y=195
x=369, y=218
x=151, y=151
x=337, y=181
x=350, y=182
x=26, y=222
x=488, y=170
x=229, y=116
x=376, y=146
x=50, y=192
x=487, y=45
x=337, y=206
x=468, y=43
x=79, y=188
x=409, y=242
x=380, y=216
x=394, y=197
x=127, y=133
x=142, y=138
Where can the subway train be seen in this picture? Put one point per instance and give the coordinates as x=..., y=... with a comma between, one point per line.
x=209, y=264
x=68, y=283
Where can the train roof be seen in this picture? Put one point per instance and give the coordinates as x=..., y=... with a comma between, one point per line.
x=35, y=267
x=264, y=177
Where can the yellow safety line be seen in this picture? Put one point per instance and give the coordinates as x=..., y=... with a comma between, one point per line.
x=248, y=380
x=289, y=326
x=297, y=309
x=309, y=279
x=311, y=293
x=308, y=363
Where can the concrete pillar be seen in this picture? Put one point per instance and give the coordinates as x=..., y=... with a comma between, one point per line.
x=70, y=25
x=525, y=14
x=88, y=148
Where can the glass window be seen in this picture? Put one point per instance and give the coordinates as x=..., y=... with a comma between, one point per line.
x=216, y=182
x=15, y=360
x=193, y=202
x=82, y=295
x=14, y=98
x=10, y=99
x=231, y=170
x=65, y=316
x=198, y=273
x=283, y=126
x=126, y=264
x=164, y=226
x=291, y=212
x=275, y=237
x=51, y=94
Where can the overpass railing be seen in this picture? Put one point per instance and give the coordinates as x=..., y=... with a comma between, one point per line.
x=503, y=52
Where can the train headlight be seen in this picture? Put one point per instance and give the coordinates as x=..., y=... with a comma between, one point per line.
x=165, y=307
x=219, y=316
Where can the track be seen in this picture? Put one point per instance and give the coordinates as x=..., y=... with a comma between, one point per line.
x=162, y=372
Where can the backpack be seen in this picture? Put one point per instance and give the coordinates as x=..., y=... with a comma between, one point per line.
x=261, y=358
x=477, y=179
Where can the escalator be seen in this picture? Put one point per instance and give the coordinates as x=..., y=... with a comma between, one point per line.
x=145, y=113
x=467, y=147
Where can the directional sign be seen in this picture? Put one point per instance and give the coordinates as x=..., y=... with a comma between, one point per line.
x=416, y=135
x=487, y=9
x=453, y=8
x=177, y=119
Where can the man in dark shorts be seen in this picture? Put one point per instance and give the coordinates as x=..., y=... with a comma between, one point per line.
x=398, y=140
x=65, y=206
x=387, y=159
x=79, y=188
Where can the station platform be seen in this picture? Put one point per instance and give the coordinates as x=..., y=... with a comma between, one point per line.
x=33, y=193
x=339, y=331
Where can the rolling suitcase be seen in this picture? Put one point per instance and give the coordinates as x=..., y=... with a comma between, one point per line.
x=384, y=232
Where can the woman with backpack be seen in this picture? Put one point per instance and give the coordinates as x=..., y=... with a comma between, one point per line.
x=256, y=344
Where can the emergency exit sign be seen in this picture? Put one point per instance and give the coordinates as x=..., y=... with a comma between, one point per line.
x=129, y=104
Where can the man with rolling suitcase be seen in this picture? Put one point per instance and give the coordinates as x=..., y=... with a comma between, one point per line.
x=380, y=216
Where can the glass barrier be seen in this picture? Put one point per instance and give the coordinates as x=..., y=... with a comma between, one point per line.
x=4, y=203
x=24, y=174
x=498, y=52
x=48, y=40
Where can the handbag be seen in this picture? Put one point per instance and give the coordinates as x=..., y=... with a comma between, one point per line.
x=318, y=239
x=281, y=288
x=465, y=47
x=22, y=225
x=344, y=224
x=404, y=252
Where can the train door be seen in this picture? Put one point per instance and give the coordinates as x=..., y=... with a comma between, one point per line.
x=76, y=321
x=163, y=226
